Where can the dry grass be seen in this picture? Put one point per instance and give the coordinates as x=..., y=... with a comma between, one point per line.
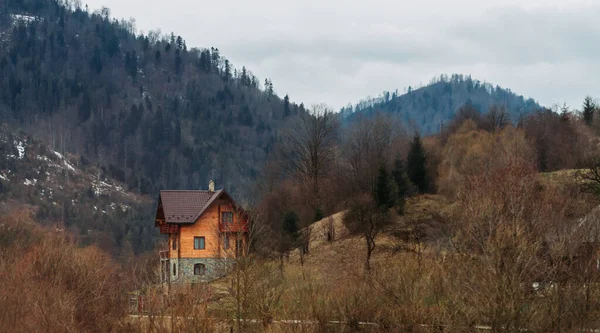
x=563, y=177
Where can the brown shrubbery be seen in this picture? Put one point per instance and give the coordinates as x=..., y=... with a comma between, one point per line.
x=50, y=284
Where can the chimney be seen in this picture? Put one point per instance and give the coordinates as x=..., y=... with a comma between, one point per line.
x=211, y=186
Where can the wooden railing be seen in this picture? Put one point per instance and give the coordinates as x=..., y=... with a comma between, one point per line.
x=169, y=228
x=233, y=227
x=164, y=255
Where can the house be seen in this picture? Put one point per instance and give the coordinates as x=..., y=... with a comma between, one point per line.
x=206, y=231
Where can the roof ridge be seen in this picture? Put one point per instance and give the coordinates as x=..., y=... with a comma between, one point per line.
x=215, y=195
x=189, y=191
x=186, y=206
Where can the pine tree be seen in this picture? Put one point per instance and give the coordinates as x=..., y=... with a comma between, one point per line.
x=157, y=58
x=589, y=107
x=400, y=178
x=318, y=215
x=384, y=192
x=286, y=106
x=290, y=224
x=227, y=70
x=416, y=165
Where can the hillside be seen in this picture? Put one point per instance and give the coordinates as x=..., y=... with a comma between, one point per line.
x=67, y=193
x=429, y=107
x=149, y=111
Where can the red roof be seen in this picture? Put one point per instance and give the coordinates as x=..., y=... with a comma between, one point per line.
x=185, y=206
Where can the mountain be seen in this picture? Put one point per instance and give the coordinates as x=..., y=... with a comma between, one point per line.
x=67, y=193
x=428, y=108
x=145, y=109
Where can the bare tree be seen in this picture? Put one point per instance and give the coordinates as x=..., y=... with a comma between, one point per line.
x=366, y=218
x=368, y=146
x=307, y=151
x=496, y=118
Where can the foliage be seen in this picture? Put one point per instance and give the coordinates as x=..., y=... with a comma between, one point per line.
x=290, y=224
x=471, y=151
x=402, y=184
x=561, y=142
x=417, y=165
x=588, y=111
x=55, y=285
x=384, y=194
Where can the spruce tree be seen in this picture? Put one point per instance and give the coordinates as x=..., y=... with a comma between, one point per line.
x=400, y=178
x=290, y=224
x=384, y=191
x=318, y=215
x=417, y=165
x=589, y=107
x=286, y=106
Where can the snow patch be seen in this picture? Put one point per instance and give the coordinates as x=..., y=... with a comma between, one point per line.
x=25, y=19
x=101, y=187
x=69, y=166
x=60, y=156
x=28, y=182
x=20, y=148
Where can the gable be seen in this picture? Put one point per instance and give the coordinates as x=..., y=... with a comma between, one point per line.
x=183, y=206
x=186, y=207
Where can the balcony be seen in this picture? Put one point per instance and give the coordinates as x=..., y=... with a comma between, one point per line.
x=164, y=255
x=167, y=229
x=233, y=227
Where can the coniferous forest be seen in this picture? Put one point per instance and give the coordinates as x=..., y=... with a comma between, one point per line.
x=456, y=206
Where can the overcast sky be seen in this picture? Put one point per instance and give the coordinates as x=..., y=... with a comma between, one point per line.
x=340, y=52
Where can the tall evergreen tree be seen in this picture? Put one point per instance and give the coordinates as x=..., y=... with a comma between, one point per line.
x=157, y=58
x=400, y=178
x=286, y=106
x=417, y=165
x=384, y=191
x=589, y=107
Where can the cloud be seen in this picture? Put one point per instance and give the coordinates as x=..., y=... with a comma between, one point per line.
x=342, y=51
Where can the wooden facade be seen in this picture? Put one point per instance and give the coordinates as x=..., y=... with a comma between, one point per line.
x=198, y=246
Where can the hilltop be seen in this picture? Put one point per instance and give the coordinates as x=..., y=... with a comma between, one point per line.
x=430, y=107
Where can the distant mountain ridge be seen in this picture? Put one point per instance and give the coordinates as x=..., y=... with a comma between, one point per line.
x=428, y=108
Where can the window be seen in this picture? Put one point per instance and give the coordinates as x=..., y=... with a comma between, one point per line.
x=227, y=217
x=199, y=243
x=199, y=269
x=239, y=247
x=174, y=243
x=226, y=242
x=174, y=269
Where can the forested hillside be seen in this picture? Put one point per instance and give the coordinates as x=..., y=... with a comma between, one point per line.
x=67, y=193
x=429, y=108
x=147, y=109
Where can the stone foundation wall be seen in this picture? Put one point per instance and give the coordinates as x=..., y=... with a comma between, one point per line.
x=215, y=268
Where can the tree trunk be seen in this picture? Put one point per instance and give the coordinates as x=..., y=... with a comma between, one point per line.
x=370, y=248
